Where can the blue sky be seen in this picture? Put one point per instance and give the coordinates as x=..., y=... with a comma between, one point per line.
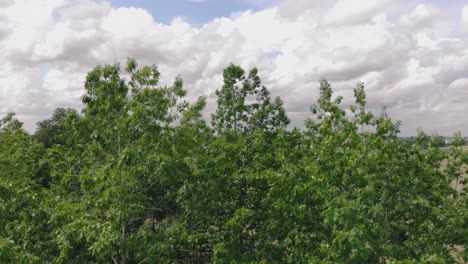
x=199, y=12
x=195, y=12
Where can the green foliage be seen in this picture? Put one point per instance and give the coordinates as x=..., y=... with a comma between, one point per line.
x=24, y=233
x=140, y=177
x=49, y=130
x=245, y=105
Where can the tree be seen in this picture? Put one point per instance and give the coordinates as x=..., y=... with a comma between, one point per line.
x=140, y=177
x=129, y=165
x=245, y=105
x=24, y=232
x=48, y=129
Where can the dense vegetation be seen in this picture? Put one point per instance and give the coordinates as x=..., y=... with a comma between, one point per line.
x=140, y=177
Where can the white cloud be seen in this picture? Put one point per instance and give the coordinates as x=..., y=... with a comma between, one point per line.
x=422, y=16
x=465, y=18
x=128, y=22
x=413, y=64
x=349, y=12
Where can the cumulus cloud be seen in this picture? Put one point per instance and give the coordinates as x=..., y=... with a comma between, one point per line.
x=348, y=12
x=411, y=62
x=421, y=17
x=465, y=18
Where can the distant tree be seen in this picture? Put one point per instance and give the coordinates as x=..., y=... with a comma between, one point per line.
x=440, y=141
x=48, y=129
x=458, y=140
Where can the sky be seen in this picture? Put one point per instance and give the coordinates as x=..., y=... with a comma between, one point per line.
x=411, y=55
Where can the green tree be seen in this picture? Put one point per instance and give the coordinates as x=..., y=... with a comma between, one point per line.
x=24, y=232
x=48, y=129
x=139, y=177
x=124, y=166
x=245, y=105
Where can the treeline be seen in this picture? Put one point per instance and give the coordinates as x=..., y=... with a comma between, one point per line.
x=140, y=177
x=440, y=141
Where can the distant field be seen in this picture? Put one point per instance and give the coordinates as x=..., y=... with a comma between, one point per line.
x=459, y=188
x=465, y=148
x=454, y=184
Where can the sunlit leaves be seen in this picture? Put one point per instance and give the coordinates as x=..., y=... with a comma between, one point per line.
x=245, y=105
x=140, y=177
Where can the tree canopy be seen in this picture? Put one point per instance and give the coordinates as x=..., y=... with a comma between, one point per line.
x=139, y=176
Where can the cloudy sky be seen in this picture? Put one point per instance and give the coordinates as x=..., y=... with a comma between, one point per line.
x=411, y=55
